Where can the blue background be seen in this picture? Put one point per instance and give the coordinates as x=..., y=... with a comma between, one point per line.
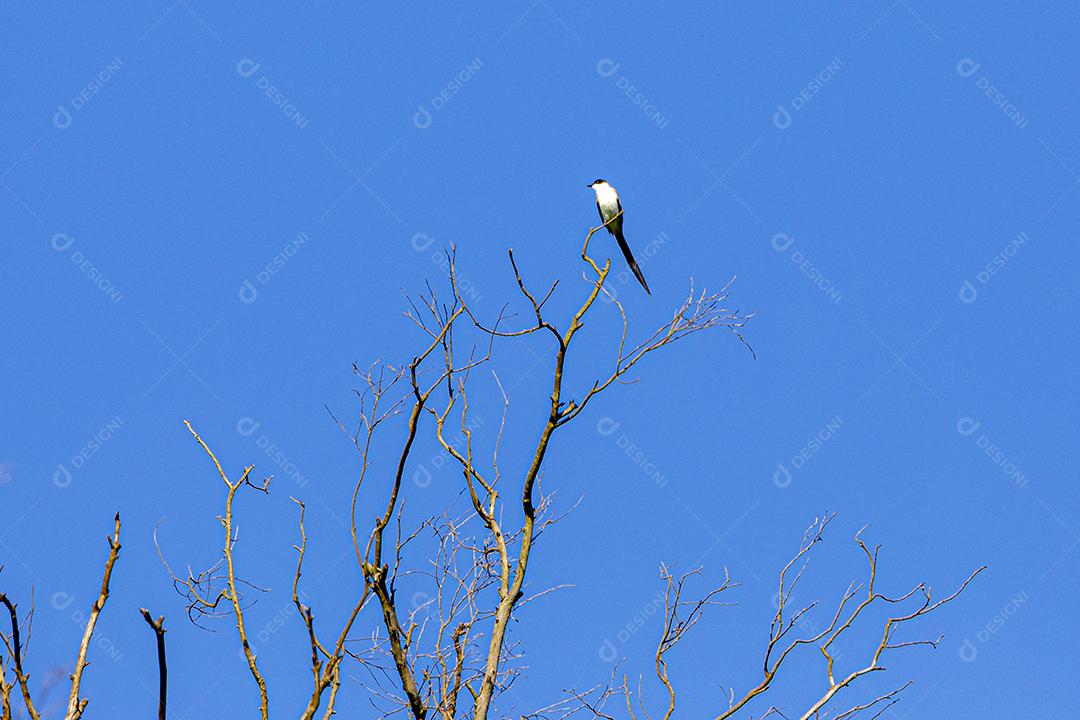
x=855, y=137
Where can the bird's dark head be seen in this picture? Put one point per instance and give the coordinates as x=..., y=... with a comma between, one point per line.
x=597, y=181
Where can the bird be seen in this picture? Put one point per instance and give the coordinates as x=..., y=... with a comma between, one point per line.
x=608, y=205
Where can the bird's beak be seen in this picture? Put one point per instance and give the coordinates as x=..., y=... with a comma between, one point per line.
x=589, y=185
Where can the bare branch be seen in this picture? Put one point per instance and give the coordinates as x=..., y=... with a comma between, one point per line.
x=230, y=592
x=680, y=616
x=158, y=626
x=76, y=706
x=15, y=651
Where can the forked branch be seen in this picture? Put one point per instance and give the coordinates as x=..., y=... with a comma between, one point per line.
x=13, y=644
x=790, y=628
x=201, y=589
x=77, y=705
x=158, y=626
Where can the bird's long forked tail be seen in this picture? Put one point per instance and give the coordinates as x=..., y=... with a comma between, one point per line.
x=632, y=262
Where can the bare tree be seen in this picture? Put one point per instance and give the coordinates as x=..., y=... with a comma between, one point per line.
x=788, y=632
x=469, y=653
x=15, y=644
x=450, y=653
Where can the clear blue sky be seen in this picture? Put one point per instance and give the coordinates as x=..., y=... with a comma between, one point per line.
x=893, y=185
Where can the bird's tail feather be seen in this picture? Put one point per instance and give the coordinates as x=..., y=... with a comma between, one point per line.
x=632, y=262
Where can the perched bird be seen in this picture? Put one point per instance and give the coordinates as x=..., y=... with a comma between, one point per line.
x=607, y=202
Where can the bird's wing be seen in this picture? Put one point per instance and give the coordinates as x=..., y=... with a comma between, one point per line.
x=616, y=225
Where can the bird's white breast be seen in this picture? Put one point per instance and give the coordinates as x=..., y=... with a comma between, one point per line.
x=607, y=199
